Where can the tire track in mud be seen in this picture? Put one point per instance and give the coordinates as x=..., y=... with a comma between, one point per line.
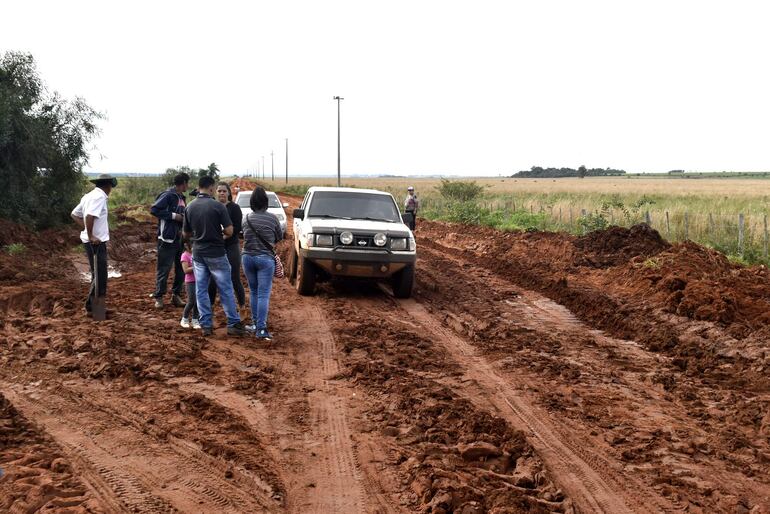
x=290, y=446
x=621, y=372
x=130, y=471
x=336, y=479
x=591, y=481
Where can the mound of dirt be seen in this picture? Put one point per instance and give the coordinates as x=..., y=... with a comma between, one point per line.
x=702, y=284
x=616, y=245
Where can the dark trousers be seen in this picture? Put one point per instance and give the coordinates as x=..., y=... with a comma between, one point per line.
x=101, y=268
x=169, y=256
x=191, y=308
x=234, y=258
x=413, y=223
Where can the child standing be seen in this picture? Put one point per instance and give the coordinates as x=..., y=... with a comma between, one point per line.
x=191, y=309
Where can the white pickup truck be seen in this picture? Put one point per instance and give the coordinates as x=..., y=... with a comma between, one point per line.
x=341, y=231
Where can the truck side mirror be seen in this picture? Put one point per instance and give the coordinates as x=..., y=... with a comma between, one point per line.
x=299, y=214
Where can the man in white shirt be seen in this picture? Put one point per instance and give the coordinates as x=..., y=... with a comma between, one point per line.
x=91, y=215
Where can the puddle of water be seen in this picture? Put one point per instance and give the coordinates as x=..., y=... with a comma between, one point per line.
x=112, y=272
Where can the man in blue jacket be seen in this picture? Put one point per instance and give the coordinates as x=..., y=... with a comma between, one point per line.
x=169, y=208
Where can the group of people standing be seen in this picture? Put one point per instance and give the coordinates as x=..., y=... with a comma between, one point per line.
x=210, y=227
x=201, y=241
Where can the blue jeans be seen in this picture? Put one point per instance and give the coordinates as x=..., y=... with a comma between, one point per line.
x=218, y=268
x=259, y=271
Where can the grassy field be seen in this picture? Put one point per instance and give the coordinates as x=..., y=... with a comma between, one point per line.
x=705, y=210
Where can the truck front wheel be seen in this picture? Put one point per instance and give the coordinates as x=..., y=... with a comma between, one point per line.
x=305, y=278
x=403, y=281
x=291, y=271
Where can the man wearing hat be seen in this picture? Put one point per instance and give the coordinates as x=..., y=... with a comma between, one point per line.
x=91, y=215
x=412, y=205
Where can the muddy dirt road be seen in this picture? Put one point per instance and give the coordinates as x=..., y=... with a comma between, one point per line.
x=529, y=373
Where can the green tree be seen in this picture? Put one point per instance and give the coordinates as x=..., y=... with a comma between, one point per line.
x=43, y=145
x=212, y=171
x=582, y=171
x=168, y=176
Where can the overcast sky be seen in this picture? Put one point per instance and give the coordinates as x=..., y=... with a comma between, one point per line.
x=439, y=87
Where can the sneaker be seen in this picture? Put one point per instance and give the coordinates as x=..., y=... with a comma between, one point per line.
x=237, y=330
x=184, y=323
x=262, y=333
x=177, y=301
x=250, y=328
x=159, y=303
x=207, y=331
x=196, y=324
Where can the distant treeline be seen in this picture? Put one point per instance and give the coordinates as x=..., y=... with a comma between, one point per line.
x=582, y=171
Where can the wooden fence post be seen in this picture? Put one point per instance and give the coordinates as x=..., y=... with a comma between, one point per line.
x=764, y=249
x=686, y=227
x=647, y=218
x=740, y=234
x=570, y=217
x=583, y=215
x=668, y=227
x=559, y=216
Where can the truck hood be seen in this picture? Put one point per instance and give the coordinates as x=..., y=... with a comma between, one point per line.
x=337, y=225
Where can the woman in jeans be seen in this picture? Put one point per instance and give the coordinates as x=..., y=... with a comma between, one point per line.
x=232, y=246
x=261, y=231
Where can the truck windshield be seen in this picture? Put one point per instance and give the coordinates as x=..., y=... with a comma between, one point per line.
x=350, y=204
x=243, y=200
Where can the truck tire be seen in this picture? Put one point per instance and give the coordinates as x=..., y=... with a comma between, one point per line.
x=291, y=267
x=305, y=277
x=402, y=282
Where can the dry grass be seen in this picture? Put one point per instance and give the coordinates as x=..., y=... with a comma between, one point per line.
x=756, y=188
x=705, y=210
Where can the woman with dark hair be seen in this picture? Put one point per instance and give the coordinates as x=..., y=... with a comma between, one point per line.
x=232, y=246
x=261, y=231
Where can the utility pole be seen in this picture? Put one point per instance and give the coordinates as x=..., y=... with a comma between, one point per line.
x=287, y=160
x=263, y=167
x=339, y=181
x=272, y=167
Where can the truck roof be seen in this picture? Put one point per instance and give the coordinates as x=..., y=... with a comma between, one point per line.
x=348, y=189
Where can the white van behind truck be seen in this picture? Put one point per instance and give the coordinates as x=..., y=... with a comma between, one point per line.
x=274, y=206
x=341, y=231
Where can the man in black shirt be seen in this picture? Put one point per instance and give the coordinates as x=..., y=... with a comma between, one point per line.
x=232, y=245
x=206, y=224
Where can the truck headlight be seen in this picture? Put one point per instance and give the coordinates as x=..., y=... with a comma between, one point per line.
x=380, y=239
x=324, y=240
x=398, y=243
x=346, y=238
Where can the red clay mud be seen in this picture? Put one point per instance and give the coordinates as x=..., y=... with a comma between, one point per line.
x=533, y=372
